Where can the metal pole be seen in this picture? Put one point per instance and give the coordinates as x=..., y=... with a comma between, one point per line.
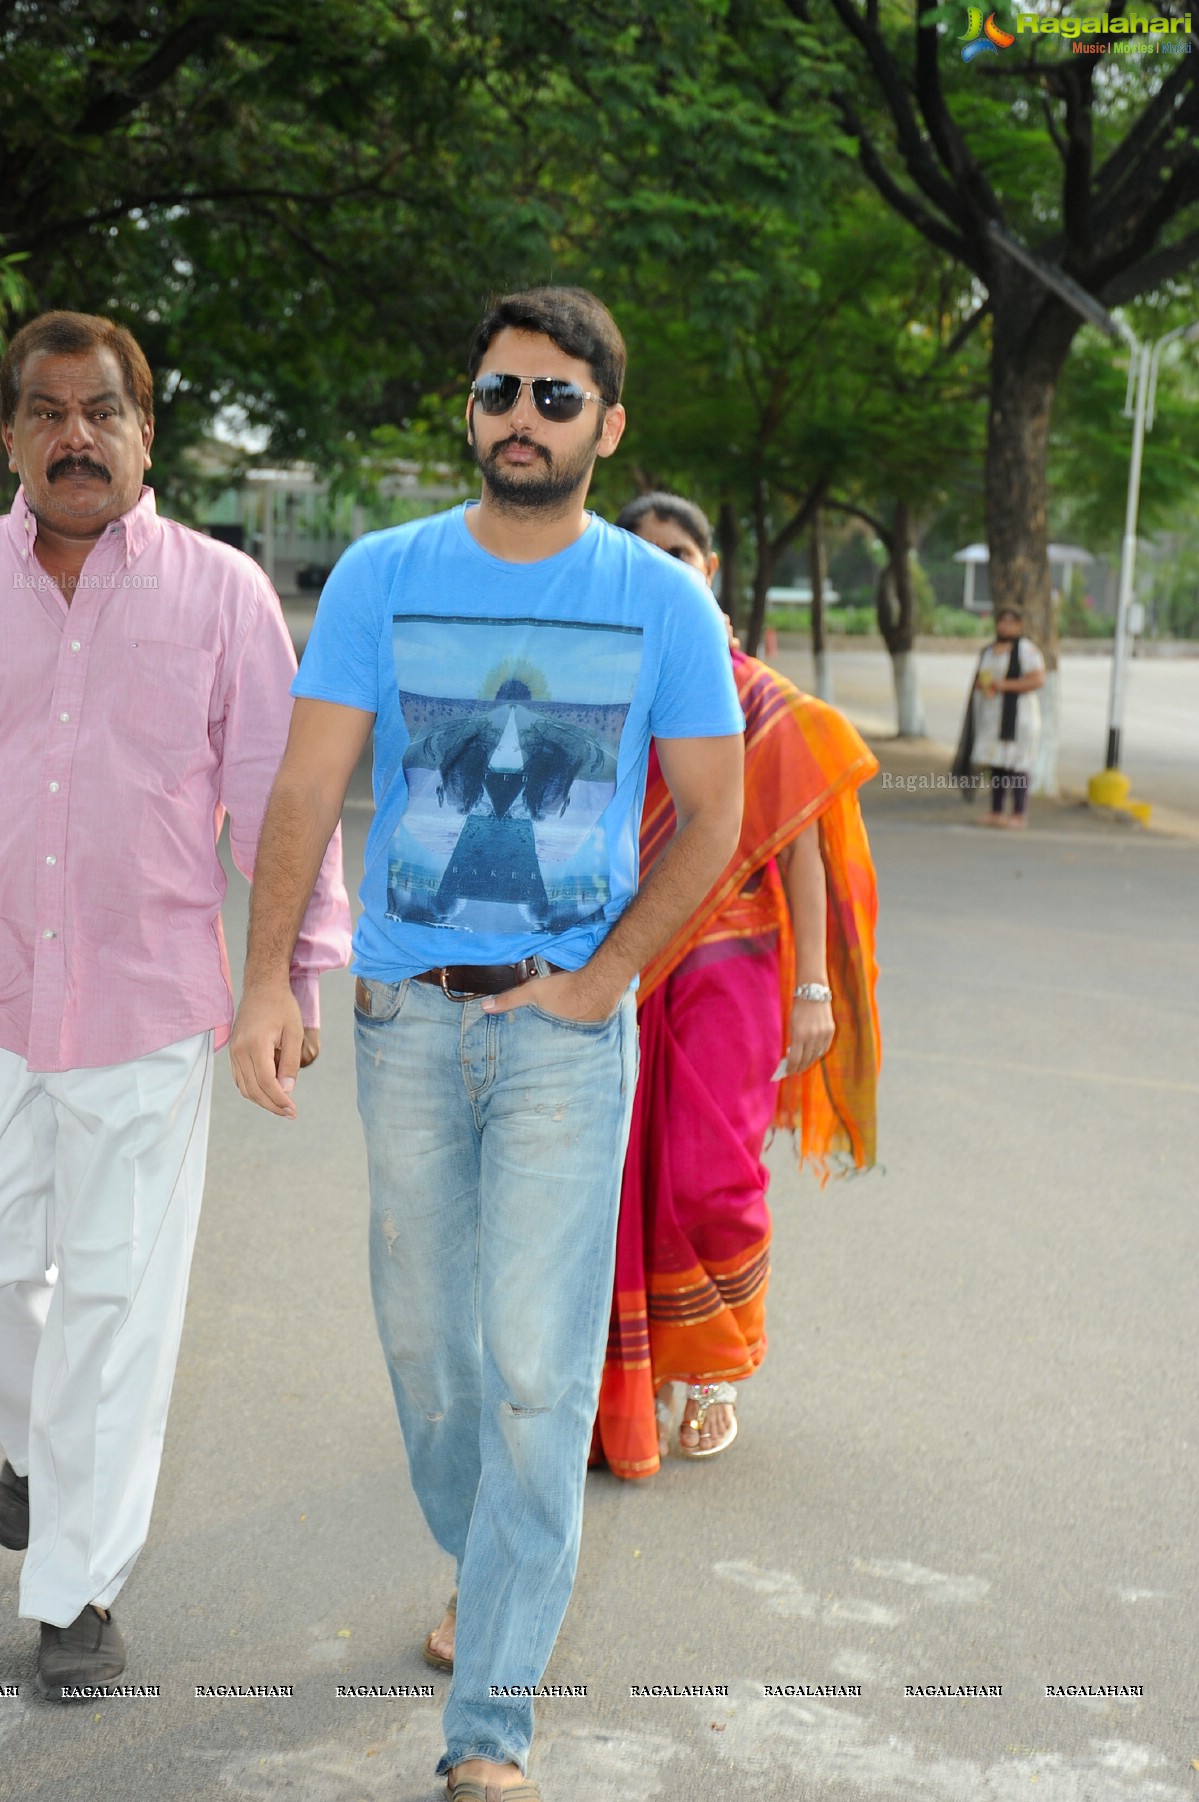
x=1128, y=557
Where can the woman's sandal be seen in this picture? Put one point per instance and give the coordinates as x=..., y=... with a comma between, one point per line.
x=469, y=1789
x=436, y=1659
x=701, y=1397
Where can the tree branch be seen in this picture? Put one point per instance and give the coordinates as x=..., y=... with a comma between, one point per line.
x=965, y=173
x=1140, y=143
x=967, y=328
x=882, y=532
x=84, y=222
x=788, y=533
x=1151, y=272
x=108, y=109
x=1059, y=143
x=912, y=144
x=905, y=204
x=1076, y=176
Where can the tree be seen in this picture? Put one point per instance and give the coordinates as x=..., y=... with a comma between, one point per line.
x=825, y=362
x=1092, y=160
x=274, y=196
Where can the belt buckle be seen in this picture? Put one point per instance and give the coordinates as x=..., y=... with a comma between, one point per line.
x=522, y=972
x=453, y=994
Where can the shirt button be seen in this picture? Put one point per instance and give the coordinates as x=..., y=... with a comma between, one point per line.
x=48, y=934
x=52, y=858
x=76, y=645
x=64, y=717
x=54, y=788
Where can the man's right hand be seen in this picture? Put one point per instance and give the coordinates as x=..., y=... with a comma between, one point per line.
x=265, y=1047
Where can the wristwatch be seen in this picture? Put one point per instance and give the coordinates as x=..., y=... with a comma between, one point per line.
x=813, y=991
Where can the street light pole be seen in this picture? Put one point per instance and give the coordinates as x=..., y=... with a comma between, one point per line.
x=1138, y=377
x=1142, y=381
x=1144, y=365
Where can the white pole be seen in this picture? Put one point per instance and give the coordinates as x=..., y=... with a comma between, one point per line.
x=1128, y=558
x=268, y=531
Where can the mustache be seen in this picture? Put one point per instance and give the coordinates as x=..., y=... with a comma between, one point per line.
x=528, y=443
x=87, y=465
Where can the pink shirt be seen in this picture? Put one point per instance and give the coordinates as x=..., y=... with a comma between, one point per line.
x=131, y=722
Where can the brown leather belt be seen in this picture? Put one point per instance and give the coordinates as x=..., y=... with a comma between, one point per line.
x=467, y=982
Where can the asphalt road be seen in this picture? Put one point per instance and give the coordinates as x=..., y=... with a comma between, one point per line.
x=969, y=1458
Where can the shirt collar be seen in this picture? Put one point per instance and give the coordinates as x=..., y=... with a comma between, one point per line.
x=135, y=528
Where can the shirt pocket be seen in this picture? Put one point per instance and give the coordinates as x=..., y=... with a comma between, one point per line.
x=164, y=695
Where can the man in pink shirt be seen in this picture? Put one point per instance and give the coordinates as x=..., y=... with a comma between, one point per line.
x=144, y=675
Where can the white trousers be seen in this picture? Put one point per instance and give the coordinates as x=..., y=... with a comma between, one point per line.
x=101, y=1174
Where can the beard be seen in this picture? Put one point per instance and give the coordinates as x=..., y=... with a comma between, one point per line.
x=532, y=490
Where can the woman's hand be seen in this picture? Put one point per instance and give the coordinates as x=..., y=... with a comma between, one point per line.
x=812, y=1032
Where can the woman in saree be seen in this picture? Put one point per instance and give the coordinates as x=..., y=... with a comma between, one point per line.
x=759, y=1014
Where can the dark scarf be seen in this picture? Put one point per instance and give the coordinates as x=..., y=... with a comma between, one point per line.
x=1007, y=718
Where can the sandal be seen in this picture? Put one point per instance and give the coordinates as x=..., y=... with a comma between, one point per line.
x=469, y=1789
x=436, y=1659
x=701, y=1397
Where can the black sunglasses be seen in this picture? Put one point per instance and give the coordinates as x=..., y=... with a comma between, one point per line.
x=553, y=398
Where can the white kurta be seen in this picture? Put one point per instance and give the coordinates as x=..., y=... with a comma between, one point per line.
x=1019, y=753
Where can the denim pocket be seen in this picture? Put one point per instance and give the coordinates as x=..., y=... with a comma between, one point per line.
x=586, y=1026
x=377, y=1002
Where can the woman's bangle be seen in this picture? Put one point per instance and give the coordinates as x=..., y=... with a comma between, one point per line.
x=813, y=991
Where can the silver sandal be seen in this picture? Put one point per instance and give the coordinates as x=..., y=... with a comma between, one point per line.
x=701, y=1397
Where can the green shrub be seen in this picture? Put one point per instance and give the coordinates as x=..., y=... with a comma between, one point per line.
x=854, y=622
x=956, y=622
x=1076, y=621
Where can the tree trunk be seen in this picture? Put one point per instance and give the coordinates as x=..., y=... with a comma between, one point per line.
x=823, y=684
x=728, y=544
x=895, y=607
x=763, y=570
x=1032, y=339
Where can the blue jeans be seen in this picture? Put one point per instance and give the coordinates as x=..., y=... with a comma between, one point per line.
x=495, y=1146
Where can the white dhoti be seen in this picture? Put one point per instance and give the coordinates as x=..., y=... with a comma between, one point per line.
x=101, y=1174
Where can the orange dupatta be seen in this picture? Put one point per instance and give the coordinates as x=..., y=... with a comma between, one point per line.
x=803, y=762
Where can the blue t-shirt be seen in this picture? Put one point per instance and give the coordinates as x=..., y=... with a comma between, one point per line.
x=514, y=707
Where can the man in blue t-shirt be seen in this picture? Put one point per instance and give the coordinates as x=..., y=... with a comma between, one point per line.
x=513, y=658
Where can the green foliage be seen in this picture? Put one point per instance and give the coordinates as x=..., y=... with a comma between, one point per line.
x=862, y=622
x=15, y=293
x=1092, y=438
x=301, y=209
x=1173, y=585
x=1076, y=620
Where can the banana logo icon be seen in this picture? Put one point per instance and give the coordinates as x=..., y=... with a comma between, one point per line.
x=983, y=38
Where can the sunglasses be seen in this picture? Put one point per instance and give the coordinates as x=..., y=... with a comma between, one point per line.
x=553, y=398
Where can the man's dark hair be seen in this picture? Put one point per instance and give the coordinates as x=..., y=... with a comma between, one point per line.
x=578, y=323
x=74, y=335
x=669, y=506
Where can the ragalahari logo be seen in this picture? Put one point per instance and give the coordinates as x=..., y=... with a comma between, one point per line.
x=984, y=38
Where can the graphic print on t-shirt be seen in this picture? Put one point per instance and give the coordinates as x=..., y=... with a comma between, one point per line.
x=514, y=730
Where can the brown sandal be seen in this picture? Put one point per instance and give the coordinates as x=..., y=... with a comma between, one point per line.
x=435, y=1658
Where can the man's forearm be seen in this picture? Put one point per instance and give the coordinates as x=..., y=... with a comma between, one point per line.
x=672, y=891
x=295, y=836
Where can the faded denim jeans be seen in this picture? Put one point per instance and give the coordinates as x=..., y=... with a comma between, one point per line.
x=495, y=1146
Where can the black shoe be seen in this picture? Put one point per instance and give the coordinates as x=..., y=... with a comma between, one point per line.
x=14, y=1509
x=88, y=1653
